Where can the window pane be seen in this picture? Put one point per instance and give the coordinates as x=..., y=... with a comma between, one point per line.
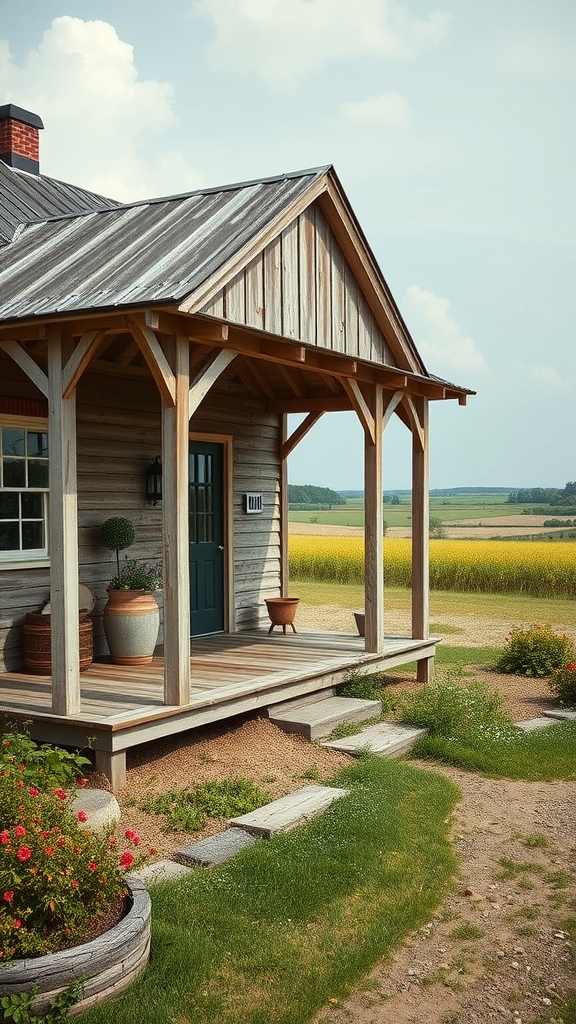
x=201, y=469
x=32, y=536
x=9, y=537
x=37, y=473
x=13, y=441
x=37, y=444
x=209, y=461
x=14, y=473
x=32, y=506
x=9, y=506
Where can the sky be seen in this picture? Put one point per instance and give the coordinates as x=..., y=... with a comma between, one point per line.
x=451, y=128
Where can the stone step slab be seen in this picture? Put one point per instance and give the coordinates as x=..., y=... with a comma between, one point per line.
x=161, y=871
x=532, y=724
x=289, y=811
x=560, y=714
x=387, y=739
x=215, y=849
x=313, y=721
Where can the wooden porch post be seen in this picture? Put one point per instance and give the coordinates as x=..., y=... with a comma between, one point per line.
x=63, y=535
x=420, y=532
x=373, y=527
x=284, y=575
x=175, y=431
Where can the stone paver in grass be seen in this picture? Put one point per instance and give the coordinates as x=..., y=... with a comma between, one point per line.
x=215, y=849
x=388, y=739
x=289, y=811
x=161, y=871
x=534, y=723
x=561, y=714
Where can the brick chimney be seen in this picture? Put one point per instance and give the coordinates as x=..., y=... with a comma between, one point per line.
x=19, y=138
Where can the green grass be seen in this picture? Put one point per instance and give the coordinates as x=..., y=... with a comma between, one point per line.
x=186, y=810
x=290, y=923
x=520, y=608
x=544, y=755
x=458, y=507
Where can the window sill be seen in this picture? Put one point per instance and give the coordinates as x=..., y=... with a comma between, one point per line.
x=34, y=563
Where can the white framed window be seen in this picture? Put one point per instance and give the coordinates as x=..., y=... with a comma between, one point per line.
x=23, y=489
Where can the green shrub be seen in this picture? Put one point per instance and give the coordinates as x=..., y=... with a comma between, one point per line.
x=187, y=810
x=535, y=651
x=450, y=709
x=563, y=683
x=43, y=766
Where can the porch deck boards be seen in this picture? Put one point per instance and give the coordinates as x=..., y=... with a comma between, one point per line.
x=222, y=667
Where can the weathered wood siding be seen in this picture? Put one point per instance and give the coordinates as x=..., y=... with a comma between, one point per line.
x=301, y=287
x=118, y=438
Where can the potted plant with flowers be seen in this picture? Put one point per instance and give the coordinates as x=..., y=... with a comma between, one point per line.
x=131, y=614
x=73, y=926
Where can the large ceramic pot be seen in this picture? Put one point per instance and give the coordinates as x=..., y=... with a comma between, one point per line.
x=131, y=624
x=282, y=611
x=105, y=966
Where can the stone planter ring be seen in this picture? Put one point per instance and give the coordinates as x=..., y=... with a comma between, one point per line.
x=104, y=966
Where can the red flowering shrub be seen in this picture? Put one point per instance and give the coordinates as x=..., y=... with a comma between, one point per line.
x=562, y=682
x=55, y=877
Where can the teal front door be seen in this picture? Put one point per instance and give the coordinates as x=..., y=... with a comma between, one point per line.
x=206, y=537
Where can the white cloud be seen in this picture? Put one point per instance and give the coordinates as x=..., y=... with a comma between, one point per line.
x=285, y=41
x=439, y=339
x=550, y=379
x=98, y=114
x=389, y=110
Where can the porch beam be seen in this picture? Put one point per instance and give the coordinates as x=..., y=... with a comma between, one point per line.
x=363, y=412
x=208, y=376
x=285, y=351
x=420, y=533
x=81, y=356
x=175, y=431
x=301, y=430
x=27, y=364
x=374, y=528
x=63, y=531
x=156, y=360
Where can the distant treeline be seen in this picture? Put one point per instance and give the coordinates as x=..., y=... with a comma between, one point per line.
x=309, y=494
x=544, y=495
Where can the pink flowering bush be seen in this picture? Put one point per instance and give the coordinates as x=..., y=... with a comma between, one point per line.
x=56, y=878
x=562, y=682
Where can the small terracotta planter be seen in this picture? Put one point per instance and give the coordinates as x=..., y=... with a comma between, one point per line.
x=281, y=611
x=105, y=966
x=360, y=618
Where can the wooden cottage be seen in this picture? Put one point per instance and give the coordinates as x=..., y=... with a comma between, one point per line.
x=186, y=327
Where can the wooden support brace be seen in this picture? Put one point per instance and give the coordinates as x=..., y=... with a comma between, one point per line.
x=208, y=376
x=27, y=364
x=361, y=406
x=391, y=406
x=300, y=432
x=418, y=428
x=156, y=360
x=81, y=356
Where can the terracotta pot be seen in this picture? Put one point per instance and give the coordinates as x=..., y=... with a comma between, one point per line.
x=131, y=624
x=281, y=611
x=104, y=966
x=360, y=618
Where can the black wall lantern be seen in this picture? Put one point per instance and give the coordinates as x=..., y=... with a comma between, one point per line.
x=154, y=482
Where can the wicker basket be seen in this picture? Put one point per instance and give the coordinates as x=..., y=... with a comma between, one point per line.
x=37, y=643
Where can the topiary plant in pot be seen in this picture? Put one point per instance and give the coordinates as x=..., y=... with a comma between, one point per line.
x=117, y=533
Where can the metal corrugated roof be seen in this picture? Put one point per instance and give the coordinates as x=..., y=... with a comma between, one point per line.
x=26, y=198
x=146, y=252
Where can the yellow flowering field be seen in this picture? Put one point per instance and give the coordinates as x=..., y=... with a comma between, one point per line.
x=513, y=567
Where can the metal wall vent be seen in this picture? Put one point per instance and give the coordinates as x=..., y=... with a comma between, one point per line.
x=253, y=503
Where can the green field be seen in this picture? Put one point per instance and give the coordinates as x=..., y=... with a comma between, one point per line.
x=448, y=509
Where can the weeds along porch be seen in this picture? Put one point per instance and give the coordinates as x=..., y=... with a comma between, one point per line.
x=230, y=674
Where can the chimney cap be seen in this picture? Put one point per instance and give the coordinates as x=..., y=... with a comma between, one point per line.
x=10, y=110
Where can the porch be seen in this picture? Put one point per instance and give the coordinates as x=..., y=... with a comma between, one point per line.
x=230, y=674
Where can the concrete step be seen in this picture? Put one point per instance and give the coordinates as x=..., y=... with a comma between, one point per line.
x=289, y=811
x=560, y=714
x=532, y=724
x=299, y=702
x=321, y=718
x=388, y=739
x=215, y=849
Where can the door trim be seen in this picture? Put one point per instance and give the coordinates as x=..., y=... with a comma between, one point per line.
x=226, y=440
